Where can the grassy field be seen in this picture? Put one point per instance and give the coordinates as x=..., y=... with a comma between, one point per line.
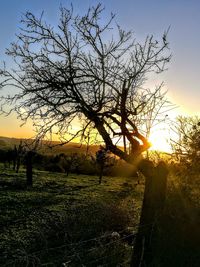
x=47, y=222
x=73, y=221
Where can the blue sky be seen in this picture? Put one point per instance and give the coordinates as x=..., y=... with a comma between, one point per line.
x=143, y=17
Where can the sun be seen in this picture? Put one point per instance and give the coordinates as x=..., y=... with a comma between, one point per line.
x=160, y=140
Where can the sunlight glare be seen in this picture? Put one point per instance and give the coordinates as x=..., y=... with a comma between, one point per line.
x=160, y=140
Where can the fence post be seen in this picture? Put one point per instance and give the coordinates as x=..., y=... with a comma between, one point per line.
x=152, y=206
x=29, y=167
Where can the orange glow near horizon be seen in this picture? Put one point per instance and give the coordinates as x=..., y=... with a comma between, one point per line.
x=10, y=127
x=159, y=137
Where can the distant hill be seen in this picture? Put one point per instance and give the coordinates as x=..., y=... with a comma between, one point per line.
x=53, y=147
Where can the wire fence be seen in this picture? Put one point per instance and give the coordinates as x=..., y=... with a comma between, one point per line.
x=27, y=258
x=76, y=251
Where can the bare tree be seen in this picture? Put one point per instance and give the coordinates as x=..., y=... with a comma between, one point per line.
x=103, y=160
x=28, y=148
x=18, y=155
x=68, y=161
x=88, y=71
x=75, y=71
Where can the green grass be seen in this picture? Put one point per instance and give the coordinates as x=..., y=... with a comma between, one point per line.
x=59, y=211
x=70, y=220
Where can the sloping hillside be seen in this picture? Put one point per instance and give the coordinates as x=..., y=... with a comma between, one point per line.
x=50, y=147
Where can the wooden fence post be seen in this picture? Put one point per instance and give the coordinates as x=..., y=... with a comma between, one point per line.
x=153, y=204
x=29, y=169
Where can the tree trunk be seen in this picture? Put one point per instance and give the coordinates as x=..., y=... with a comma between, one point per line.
x=101, y=174
x=153, y=204
x=29, y=169
x=18, y=164
x=67, y=171
x=14, y=164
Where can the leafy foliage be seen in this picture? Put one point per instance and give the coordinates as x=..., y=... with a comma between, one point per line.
x=187, y=145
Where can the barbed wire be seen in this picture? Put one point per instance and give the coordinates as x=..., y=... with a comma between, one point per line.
x=73, y=255
x=104, y=236
x=118, y=240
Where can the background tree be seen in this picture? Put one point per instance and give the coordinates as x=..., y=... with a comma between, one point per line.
x=186, y=142
x=6, y=156
x=68, y=161
x=103, y=160
x=29, y=148
x=18, y=153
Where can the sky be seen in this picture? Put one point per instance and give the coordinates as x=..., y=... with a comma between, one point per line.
x=182, y=79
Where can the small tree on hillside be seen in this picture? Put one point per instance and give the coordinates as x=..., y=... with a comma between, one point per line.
x=103, y=160
x=18, y=153
x=68, y=161
x=8, y=157
x=29, y=149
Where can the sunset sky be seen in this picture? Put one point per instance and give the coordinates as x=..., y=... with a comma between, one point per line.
x=182, y=80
